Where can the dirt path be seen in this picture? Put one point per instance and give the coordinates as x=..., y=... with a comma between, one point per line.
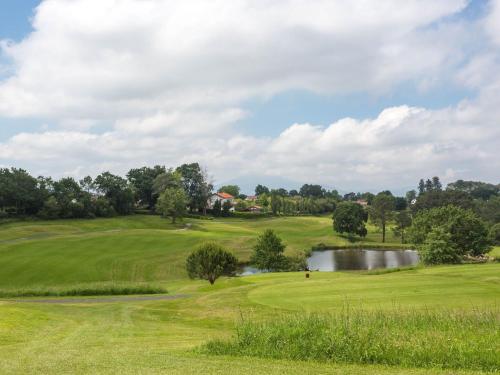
x=99, y=299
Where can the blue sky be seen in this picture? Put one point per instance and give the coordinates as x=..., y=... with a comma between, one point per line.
x=246, y=88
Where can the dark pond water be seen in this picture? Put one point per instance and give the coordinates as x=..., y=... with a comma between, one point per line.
x=360, y=259
x=353, y=259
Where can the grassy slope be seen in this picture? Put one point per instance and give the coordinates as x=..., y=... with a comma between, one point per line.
x=158, y=336
x=139, y=248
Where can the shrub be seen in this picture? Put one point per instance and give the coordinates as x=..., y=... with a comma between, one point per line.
x=210, y=261
x=468, y=233
x=494, y=234
x=438, y=248
x=268, y=253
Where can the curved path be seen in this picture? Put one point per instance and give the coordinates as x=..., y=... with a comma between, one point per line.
x=100, y=299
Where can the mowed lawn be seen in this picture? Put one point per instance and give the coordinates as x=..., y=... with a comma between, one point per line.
x=139, y=248
x=164, y=336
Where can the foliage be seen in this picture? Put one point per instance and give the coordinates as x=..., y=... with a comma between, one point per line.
x=494, y=234
x=196, y=186
x=172, y=202
x=217, y=208
x=468, y=233
x=117, y=191
x=489, y=210
x=210, y=261
x=226, y=208
x=432, y=199
x=308, y=190
x=260, y=189
x=438, y=248
x=403, y=221
x=381, y=211
x=477, y=189
x=268, y=252
x=168, y=179
x=142, y=179
x=234, y=190
x=350, y=218
x=426, y=338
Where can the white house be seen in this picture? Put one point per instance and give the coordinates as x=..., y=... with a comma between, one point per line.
x=222, y=197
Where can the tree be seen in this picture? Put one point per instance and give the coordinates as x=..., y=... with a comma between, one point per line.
x=436, y=184
x=468, y=232
x=312, y=191
x=428, y=185
x=234, y=190
x=142, y=180
x=268, y=252
x=421, y=186
x=381, y=211
x=400, y=203
x=403, y=221
x=350, y=218
x=217, y=208
x=293, y=193
x=432, y=199
x=168, y=179
x=438, y=248
x=410, y=196
x=172, y=202
x=226, y=208
x=21, y=192
x=196, y=185
x=210, y=261
x=117, y=191
x=260, y=189
x=87, y=184
x=494, y=234
x=489, y=210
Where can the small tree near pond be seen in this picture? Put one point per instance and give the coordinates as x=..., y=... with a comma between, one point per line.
x=350, y=218
x=268, y=253
x=210, y=261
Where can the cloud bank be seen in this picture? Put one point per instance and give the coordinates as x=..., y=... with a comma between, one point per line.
x=126, y=82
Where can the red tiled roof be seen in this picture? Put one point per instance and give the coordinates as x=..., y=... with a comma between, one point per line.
x=225, y=195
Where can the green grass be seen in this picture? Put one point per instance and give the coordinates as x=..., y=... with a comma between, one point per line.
x=141, y=248
x=95, y=289
x=444, y=339
x=162, y=336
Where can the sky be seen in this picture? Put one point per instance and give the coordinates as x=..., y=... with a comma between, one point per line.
x=357, y=96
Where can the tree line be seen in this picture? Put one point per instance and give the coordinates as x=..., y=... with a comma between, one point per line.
x=447, y=225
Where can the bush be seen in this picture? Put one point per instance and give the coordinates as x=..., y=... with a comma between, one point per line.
x=468, y=233
x=210, y=261
x=494, y=234
x=438, y=248
x=268, y=253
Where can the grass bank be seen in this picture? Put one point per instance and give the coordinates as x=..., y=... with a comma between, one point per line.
x=95, y=289
x=430, y=339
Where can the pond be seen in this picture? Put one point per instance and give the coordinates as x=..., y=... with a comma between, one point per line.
x=360, y=259
x=353, y=259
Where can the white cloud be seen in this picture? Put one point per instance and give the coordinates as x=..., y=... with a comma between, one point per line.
x=169, y=79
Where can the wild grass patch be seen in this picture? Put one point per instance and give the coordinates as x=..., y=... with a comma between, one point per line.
x=93, y=289
x=429, y=339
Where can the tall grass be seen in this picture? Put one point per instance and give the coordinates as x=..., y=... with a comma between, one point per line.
x=91, y=289
x=449, y=339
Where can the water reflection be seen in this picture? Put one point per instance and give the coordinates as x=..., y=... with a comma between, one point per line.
x=360, y=259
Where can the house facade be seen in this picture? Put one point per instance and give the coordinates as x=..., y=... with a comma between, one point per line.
x=222, y=197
